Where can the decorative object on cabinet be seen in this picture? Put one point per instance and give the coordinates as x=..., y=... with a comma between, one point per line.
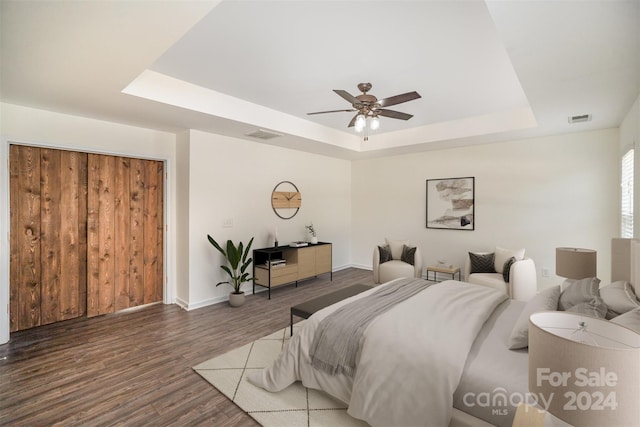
x=285, y=264
x=576, y=263
x=312, y=231
x=584, y=370
x=286, y=200
x=238, y=262
x=450, y=203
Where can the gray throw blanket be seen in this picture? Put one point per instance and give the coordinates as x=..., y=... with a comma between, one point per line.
x=336, y=341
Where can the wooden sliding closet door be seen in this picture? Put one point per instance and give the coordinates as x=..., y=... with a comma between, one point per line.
x=48, y=197
x=125, y=233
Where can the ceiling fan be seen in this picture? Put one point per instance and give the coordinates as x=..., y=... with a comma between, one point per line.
x=368, y=106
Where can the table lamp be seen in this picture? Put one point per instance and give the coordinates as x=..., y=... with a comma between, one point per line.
x=584, y=371
x=576, y=263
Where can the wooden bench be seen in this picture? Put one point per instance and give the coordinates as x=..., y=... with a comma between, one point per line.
x=307, y=308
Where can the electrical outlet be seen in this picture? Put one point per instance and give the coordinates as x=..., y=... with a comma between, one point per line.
x=227, y=223
x=545, y=271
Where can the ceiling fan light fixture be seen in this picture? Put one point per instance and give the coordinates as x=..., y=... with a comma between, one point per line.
x=375, y=123
x=360, y=123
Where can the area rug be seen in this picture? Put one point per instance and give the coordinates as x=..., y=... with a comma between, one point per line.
x=294, y=406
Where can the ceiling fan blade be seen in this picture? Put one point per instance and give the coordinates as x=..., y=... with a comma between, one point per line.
x=331, y=111
x=353, y=121
x=347, y=96
x=394, y=114
x=398, y=99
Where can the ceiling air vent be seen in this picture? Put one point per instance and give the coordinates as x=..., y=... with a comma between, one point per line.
x=263, y=134
x=579, y=119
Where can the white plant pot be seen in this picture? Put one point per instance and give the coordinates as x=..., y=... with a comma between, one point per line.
x=314, y=240
x=236, y=300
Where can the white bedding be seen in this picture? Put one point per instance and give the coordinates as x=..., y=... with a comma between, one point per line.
x=410, y=361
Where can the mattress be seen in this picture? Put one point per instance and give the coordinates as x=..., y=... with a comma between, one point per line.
x=495, y=379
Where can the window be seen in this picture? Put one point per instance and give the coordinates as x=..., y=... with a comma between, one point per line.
x=626, y=199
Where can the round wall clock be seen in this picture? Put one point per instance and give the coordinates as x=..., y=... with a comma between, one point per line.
x=286, y=199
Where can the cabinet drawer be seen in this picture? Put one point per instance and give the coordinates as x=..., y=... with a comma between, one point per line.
x=282, y=271
x=284, y=278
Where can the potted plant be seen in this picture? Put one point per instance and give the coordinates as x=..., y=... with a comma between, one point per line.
x=236, y=268
x=312, y=231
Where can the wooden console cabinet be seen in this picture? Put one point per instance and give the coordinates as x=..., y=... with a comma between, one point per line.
x=299, y=264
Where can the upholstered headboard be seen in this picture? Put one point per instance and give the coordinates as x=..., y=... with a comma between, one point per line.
x=625, y=261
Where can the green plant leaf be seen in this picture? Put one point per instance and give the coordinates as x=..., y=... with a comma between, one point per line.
x=246, y=252
x=216, y=245
x=227, y=269
x=232, y=255
x=245, y=265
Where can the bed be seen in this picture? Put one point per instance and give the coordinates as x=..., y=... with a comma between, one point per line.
x=440, y=357
x=434, y=380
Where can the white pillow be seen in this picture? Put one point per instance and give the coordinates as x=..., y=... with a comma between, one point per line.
x=544, y=301
x=631, y=320
x=396, y=247
x=502, y=255
x=619, y=297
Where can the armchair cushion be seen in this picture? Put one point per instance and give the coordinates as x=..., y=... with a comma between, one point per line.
x=408, y=255
x=482, y=262
x=502, y=255
x=507, y=269
x=385, y=253
x=396, y=247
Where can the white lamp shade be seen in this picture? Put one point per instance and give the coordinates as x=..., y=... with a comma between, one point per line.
x=595, y=382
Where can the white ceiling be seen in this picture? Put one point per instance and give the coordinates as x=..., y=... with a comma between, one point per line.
x=487, y=71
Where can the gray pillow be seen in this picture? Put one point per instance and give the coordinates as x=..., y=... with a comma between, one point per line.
x=588, y=309
x=631, y=320
x=506, y=270
x=619, y=297
x=482, y=263
x=408, y=255
x=544, y=301
x=385, y=253
x=582, y=292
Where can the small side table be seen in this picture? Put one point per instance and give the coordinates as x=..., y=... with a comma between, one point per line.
x=443, y=270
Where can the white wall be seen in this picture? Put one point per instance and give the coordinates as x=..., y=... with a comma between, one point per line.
x=38, y=127
x=232, y=179
x=182, y=217
x=629, y=138
x=536, y=193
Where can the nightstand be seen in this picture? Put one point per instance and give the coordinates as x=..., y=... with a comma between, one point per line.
x=443, y=270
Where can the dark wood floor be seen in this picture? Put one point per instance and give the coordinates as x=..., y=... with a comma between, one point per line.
x=135, y=368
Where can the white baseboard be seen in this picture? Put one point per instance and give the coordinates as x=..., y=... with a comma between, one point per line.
x=204, y=303
x=360, y=266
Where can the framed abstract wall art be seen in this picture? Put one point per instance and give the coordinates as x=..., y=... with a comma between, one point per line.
x=450, y=203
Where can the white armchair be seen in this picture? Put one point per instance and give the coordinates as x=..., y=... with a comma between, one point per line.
x=395, y=267
x=523, y=281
